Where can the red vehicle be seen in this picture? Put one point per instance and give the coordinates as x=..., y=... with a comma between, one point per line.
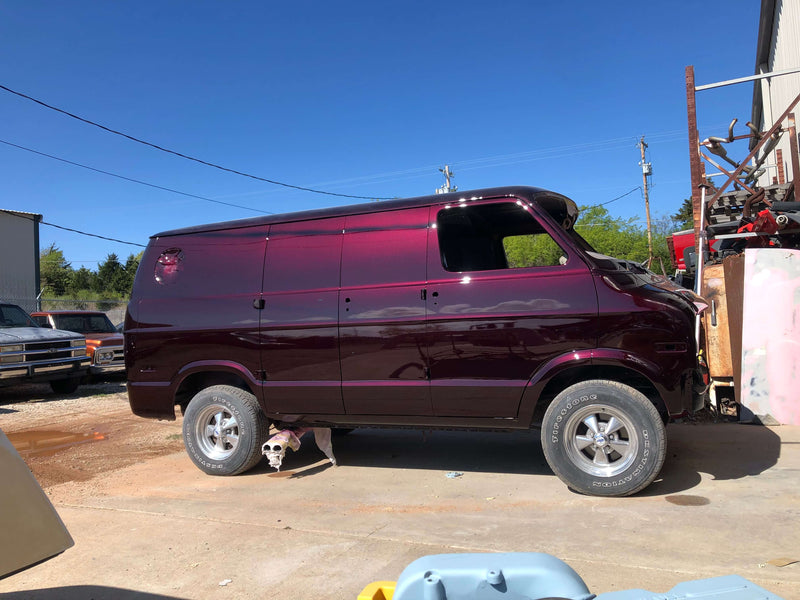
x=104, y=344
x=481, y=310
x=679, y=242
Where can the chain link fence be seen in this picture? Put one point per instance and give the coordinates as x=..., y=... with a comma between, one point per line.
x=115, y=309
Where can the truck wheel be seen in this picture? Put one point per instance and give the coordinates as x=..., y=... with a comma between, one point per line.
x=65, y=386
x=223, y=430
x=604, y=438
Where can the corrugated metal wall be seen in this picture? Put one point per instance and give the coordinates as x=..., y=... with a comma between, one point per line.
x=18, y=260
x=784, y=54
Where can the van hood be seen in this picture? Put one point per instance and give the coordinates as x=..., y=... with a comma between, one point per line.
x=644, y=276
x=15, y=335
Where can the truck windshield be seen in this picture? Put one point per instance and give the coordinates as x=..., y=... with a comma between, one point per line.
x=84, y=323
x=13, y=316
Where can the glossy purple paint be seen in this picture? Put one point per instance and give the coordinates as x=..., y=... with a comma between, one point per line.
x=349, y=316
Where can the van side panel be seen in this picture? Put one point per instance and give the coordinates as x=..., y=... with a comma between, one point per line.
x=382, y=314
x=194, y=304
x=299, y=322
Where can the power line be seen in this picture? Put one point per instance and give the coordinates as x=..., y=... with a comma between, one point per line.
x=94, y=235
x=618, y=197
x=187, y=157
x=152, y=185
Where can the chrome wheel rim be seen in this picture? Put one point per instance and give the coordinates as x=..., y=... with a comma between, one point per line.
x=217, y=432
x=601, y=440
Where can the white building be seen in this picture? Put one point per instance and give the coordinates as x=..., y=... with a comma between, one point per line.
x=19, y=257
x=778, y=49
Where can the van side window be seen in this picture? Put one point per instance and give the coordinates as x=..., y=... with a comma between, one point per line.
x=502, y=235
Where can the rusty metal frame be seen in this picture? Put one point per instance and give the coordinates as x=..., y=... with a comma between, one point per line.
x=714, y=164
x=696, y=155
x=795, y=154
x=764, y=139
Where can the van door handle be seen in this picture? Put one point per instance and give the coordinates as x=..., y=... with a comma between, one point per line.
x=423, y=294
x=259, y=303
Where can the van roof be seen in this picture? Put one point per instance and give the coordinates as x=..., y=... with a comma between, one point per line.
x=526, y=192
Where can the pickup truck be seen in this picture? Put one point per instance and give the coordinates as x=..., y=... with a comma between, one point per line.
x=104, y=344
x=29, y=353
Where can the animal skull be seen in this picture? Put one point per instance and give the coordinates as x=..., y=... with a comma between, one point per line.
x=275, y=448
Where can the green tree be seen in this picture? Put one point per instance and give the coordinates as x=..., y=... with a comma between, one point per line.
x=533, y=250
x=111, y=280
x=623, y=238
x=54, y=271
x=82, y=282
x=131, y=265
x=620, y=238
x=684, y=218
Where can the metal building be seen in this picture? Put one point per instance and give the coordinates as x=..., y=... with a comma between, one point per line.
x=778, y=49
x=19, y=257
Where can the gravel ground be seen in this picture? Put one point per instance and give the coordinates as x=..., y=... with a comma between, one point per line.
x=82, y=435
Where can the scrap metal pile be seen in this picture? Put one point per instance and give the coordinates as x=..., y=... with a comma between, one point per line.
x=750, y=216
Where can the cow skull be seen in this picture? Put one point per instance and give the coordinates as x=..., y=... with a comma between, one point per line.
x=275, y=448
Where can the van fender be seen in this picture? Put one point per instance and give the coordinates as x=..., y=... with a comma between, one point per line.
x=215, y=366
x=592, y=357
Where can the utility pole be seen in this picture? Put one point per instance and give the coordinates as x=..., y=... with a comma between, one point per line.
x=446, y=187
x=647, y=170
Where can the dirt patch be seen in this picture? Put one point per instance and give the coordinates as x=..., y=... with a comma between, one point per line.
x=82, y=435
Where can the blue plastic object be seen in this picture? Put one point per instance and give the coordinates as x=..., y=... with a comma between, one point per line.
x=512, y=576
x=536, y=576
x=729, y=587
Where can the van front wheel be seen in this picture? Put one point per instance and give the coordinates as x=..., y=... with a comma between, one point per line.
x=604, y=438
x=223, y=430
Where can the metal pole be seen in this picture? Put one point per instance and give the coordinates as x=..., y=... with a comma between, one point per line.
x=695, y=164
x=795, y=155
x=711, y=86
x=701, y=249
x=642, y=146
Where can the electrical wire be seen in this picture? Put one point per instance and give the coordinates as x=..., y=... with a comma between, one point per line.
x=638, y=187
x=185, y=156
x=152, y=185
x=94, y=235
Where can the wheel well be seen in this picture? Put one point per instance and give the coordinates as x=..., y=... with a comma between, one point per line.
x=619, y=374
x=198, y=381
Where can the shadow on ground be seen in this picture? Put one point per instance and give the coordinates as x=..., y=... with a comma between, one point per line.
x=461, y=451
x=84, y=592
x=41, y=392
x=722, y=450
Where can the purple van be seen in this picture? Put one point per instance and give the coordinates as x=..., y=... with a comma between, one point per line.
x=481, y=310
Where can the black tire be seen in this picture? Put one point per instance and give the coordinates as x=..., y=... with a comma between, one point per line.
x=341, y=431
x=65, y=386
x=224, y=429
x=604, y=438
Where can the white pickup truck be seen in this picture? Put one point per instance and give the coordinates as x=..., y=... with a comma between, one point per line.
x=29, y=353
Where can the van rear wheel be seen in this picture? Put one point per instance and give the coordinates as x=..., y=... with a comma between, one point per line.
x=223, y=430
x=604, y=438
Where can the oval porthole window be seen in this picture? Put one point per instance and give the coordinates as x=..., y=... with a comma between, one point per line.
x=168, y=265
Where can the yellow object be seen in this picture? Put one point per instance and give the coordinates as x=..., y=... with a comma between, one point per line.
x=378, y=590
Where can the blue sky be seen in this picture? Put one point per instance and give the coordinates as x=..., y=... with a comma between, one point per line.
x=358, y=98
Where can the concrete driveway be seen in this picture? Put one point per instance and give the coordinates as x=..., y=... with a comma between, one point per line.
x=727, y=502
